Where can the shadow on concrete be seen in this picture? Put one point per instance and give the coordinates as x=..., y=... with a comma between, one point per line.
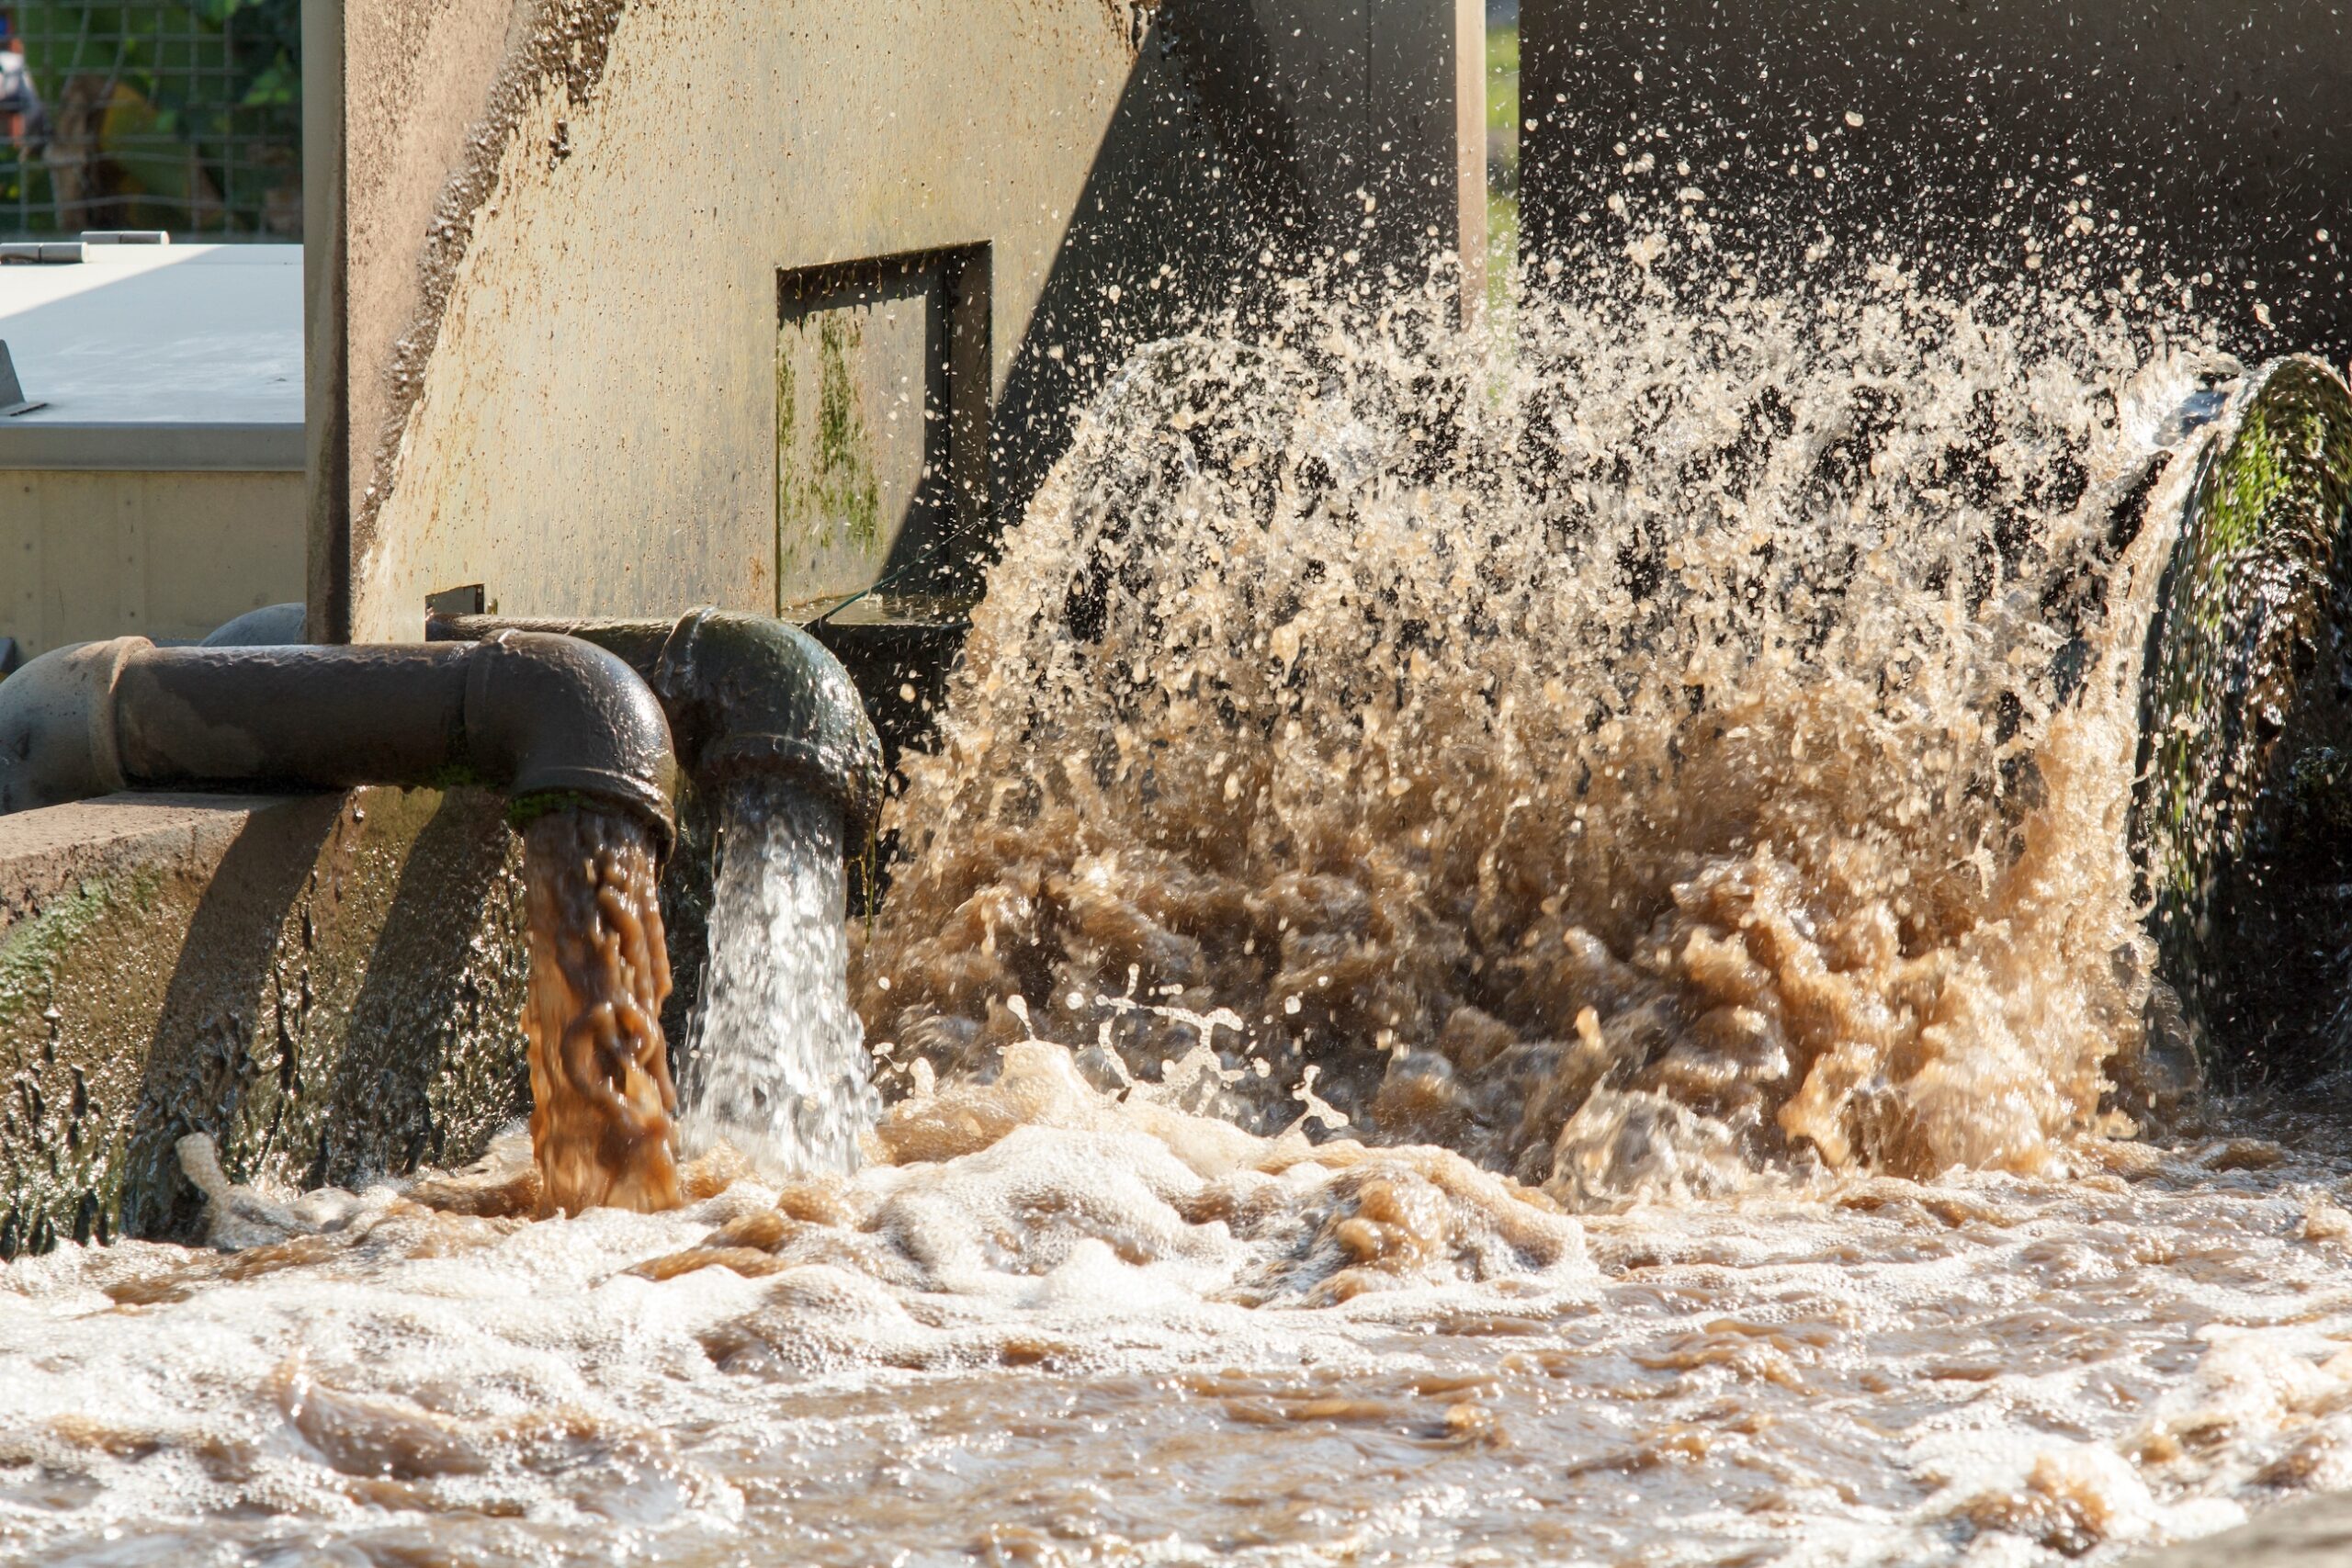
x=411, y=1084
x=207, y=1068
x=1198, y=176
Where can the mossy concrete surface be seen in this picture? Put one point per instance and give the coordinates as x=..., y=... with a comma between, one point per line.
x=330, y=985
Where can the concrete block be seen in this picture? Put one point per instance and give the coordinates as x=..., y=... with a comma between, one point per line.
x=329, y=986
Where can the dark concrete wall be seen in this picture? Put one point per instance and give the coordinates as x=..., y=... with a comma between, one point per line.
x=2216, y=128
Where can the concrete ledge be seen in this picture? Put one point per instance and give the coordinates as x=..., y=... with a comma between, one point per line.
x=329, y=986
x=145, y=446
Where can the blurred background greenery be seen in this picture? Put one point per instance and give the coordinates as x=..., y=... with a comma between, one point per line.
x=182, y=115
x=1502, y=146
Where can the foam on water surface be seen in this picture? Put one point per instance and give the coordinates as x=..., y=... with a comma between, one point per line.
x=1077, y=1329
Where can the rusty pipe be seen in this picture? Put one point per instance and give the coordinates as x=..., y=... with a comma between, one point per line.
x=530, y=715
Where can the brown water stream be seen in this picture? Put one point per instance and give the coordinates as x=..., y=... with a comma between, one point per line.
x=602, y=1100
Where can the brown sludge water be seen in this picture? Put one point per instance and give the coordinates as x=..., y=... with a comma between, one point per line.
x=1520, y=947
x=602, y=1101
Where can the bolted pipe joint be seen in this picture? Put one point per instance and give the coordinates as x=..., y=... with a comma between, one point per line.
x=57, y=738
x=744, y=694
x=535, y=717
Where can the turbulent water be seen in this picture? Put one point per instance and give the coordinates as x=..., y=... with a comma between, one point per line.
x=602, y=1101
x=1520, y=946
x=1701, y=743
x=776, y=1065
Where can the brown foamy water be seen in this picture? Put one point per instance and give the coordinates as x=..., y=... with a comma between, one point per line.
x=602, y=1100
x=1075, y=1330
x=1507, y=956
x=1698, y=742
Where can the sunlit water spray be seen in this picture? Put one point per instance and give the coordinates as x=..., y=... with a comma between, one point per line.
x=1697, y=741
x=1514, y=951
x=775, y=1061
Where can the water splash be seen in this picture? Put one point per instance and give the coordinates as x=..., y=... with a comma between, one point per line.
x=776, y=1063
x=1699, y=726
x=1691, y=738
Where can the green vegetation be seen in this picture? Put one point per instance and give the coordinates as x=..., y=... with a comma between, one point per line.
x=1503, y=127
x=170, y=114
x=1502, y=77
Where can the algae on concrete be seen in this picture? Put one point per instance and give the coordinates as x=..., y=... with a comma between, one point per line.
x=330, y=987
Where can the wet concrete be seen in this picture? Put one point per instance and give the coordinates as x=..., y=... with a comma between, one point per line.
x=2314, y=1534
x=329, y=986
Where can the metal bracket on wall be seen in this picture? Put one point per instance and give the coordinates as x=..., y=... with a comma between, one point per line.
x=470, y=600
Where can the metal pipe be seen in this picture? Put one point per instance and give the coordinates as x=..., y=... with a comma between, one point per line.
x=523, y=713
x=744, y=694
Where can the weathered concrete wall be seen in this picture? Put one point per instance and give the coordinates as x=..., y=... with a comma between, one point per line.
x=86, y=554
x=546, y=346
x=328, y=986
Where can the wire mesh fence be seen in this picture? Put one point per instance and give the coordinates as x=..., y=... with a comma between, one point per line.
x=180, y=115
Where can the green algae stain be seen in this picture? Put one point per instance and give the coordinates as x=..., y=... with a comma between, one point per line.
x=829, y=493
x=2246, y=791
x=33, y=952
x=2263, y=550
x=60, y=1152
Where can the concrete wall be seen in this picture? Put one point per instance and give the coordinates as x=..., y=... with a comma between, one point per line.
x=328, y=986
x=554, y=243
x=2214, y=129
x=93, y=554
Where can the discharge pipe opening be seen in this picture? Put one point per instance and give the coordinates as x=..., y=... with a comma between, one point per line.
x=786, y=776
x=564, y=729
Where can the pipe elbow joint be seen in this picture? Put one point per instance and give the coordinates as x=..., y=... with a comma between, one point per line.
x=527, y=714
x=748, y=694
x=549, y=715
x=57, y=734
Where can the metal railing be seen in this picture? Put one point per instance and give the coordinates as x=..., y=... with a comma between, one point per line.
x=180, y=115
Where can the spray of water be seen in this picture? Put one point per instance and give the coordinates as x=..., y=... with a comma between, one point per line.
x=1690, y=736
x=776, y=1064
x=1679, y=746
